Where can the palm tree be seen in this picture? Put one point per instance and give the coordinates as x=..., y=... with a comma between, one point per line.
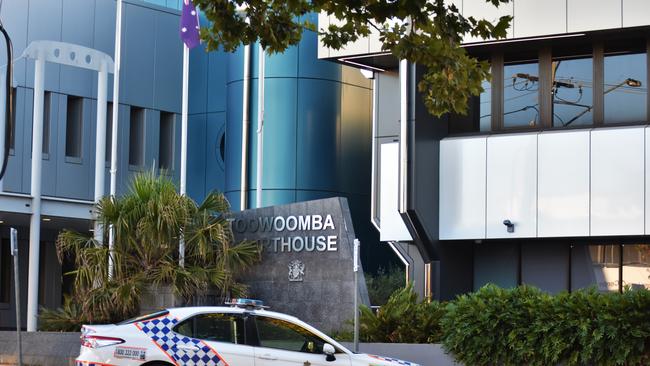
x=149, y=222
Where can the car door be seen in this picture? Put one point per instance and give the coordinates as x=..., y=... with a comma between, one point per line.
x=282, y=343
x=209, y=338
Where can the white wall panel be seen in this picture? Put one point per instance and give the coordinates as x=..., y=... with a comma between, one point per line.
x=563, y=184
x=462, y=188
x=529, y=12
x=359, y=47
x=480, y=9
x=512, y=185
x=587, y=15
x=636, y=13
x=391, y=223
x=617, y=181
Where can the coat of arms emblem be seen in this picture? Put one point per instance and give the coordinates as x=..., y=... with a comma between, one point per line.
x=296, y=271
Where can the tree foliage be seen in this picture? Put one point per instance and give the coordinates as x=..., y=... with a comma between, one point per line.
x=426, y=32
x=149, y=222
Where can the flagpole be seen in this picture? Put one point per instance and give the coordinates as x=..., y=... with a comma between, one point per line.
x=260, y=125
x=183, y=185
x=114, y=129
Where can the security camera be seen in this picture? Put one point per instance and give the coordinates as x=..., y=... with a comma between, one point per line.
x=509, y=225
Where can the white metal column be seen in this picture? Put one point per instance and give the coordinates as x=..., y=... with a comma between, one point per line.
x=185, y=107
x=35, y=222
x=114, y=129
x=76, y=56
x=100, y=143
x=260, y=126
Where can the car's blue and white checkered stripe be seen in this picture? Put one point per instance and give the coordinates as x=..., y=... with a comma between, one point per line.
x=160, y=331
x=394, y=360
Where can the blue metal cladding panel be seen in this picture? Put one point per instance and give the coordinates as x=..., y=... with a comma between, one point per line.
x=216, y=78
x=236, y=65
x=77, y=27
x=104, y=36
x=14, y=17
x=72, y=180
x=13, y=179
x=49, y=160
x=44, y=24
x=279, y=162
x=282, y=65
x=233, y=140
x=196, y=156
x=198, y=84
x=152, y=139
x=355, y=144
x=138, y=56
x=215, y=165
x=168, y=66
x=271, y=197
x=318, y=138
x=310, y=65
x=123, y=173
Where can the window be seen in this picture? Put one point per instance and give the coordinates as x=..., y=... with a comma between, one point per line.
x=636, y=266
x=572, y=92
x=5, y=270
x=486, y=107
x=280, y=334
x=12, y=141
x=47, y=103
x=521, y=95
x=109, y=131
x=216, y=327
x=136, y=137
x=626, y=88
x=74, y=127
x=595, y=266
x=166, y=141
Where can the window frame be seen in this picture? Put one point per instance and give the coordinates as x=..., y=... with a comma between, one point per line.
x=547, y=51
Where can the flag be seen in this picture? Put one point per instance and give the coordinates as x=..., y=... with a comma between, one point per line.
x=190, y=25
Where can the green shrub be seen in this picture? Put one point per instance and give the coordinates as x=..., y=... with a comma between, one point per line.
x=382, y=284
x=403, y=319
x=524, y=326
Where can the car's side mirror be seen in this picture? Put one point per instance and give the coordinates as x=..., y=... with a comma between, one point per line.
x=329, y=350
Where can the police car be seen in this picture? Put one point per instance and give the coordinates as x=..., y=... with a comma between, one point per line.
x=243, y=334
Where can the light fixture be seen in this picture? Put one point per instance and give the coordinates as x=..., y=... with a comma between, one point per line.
x=632, y=83
x=46, y=219
x=509, y=225
x=2, y=222
x=368, y=74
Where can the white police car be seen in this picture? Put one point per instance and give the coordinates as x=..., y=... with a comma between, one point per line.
x=244, y=334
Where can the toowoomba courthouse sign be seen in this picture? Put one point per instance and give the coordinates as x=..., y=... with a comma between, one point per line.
x=307, y=260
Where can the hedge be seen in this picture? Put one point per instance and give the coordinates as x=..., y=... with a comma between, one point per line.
x=521, y=326
x=524, y=326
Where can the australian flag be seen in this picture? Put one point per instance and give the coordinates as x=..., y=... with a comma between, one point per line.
x=190, y=25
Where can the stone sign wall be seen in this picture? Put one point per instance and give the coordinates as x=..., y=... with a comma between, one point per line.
x=307, y=260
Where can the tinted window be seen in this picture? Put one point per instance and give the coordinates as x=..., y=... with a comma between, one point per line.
x=625, y=88
x=572, y=92
x=74, y=126
x=280, y=334
x=521, y=95
x=227, y=328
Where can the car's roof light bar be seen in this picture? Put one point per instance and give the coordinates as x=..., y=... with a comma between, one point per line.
x=247, y=304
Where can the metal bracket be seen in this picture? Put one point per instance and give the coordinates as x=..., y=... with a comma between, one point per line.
x=70, y=54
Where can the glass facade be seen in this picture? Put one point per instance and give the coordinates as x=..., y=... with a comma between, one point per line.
x=636, y=266
x=485, y=108
x=626, y=88
x=521, y=95
x=572, y=92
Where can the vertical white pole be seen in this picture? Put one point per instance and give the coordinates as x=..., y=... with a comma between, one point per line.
x=114, y=137
x=183, y=187
x=13, y=237
x=260, y=126
x=403, y=106
x=100, y=143
x=35, y=223
x=357, y=246
x=243, y=199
